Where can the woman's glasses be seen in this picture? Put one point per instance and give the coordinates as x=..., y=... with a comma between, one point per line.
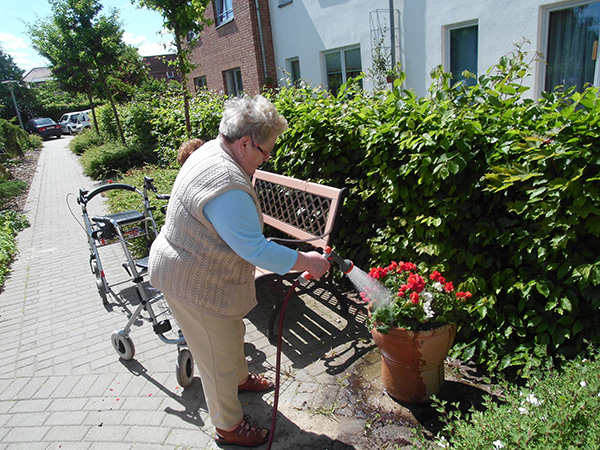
x=265, y=154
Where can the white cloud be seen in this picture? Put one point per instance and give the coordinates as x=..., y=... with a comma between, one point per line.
x=11, y=42
x=26, y=61
x=146, y=47
x=131, y=39
x=156, y=48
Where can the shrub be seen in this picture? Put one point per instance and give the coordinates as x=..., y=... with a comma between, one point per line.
x=168, y=123
x=11, y=223
x=489, y=187
x=555, y=410
x=85, y=141
x=10, y=189
x=111, y=159
x=14, y=141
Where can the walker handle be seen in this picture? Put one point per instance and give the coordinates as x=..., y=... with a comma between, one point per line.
x=106, y=187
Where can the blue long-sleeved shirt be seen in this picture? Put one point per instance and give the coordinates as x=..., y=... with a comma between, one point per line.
x=234, y=216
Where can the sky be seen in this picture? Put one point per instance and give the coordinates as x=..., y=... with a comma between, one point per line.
x=142, y=29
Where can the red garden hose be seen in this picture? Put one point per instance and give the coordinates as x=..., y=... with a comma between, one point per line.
x=304, y=276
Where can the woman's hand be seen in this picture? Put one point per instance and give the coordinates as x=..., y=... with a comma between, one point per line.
x=312, y=262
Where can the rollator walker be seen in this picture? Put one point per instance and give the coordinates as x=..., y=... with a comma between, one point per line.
x=133, y=230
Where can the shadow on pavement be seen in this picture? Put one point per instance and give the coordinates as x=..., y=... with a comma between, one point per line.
x=191, y=398
x=315, y=329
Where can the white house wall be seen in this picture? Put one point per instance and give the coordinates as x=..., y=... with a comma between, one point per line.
x=306, y=28
x=501, y=23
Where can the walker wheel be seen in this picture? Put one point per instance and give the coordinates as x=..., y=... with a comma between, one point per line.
x=123, y=345
x=101, y=290
x=94, y=266
x=185, y=368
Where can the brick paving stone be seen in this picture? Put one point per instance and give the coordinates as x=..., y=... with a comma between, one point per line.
x=33, y=419
x=66, y=434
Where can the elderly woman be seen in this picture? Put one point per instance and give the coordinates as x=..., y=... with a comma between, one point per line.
x=205, y=257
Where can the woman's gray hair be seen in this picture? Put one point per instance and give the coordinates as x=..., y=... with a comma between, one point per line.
x=256, y=117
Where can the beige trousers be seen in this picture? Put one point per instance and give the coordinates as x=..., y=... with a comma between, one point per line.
x=218, y=350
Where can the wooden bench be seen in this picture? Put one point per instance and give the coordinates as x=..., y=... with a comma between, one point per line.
x=305, y=211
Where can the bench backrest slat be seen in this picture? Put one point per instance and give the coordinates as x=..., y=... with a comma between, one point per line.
x=301, y=209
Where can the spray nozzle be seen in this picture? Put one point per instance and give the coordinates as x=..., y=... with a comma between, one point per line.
x=346, y=265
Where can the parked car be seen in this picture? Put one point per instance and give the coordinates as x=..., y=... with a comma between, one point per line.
x=45, y=127
x=68, y=122
x=83, y=120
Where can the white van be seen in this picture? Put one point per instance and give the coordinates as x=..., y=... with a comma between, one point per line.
x=68, y=122
x=83, y=120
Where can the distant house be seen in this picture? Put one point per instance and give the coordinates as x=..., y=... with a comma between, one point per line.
x=160, y=69
x=37, y=76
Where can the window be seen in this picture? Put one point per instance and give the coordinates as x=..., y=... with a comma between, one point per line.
x=342, y=65
x=293, y=67
x=223, y=11
x=233, y=82
x=571, y=51
x=462, y=52
x=200, y=83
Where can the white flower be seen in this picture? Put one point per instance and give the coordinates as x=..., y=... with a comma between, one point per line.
x=443, y=443
x=523, y=410
x=498, y=444
x=438, y=286
x=427, y=301
x=533, y=400
x=583, y=384
x=426, y=296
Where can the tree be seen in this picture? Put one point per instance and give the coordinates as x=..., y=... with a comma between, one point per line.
x=185, y=19
x=85, y=49
x=10, y=71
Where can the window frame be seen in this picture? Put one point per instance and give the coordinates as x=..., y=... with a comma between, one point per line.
x=231, y=78
x=342, y=51
x=290, y=72
x=200, y=83
x=447, y=44
x=222, y=17
x=543, y=39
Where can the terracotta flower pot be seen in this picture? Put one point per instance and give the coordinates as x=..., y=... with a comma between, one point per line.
x=412, y=366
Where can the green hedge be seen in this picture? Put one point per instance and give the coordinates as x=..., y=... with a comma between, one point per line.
x=488, y=186
x=11, y=223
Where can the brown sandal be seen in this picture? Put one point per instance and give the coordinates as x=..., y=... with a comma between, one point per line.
x=245, y=435
x=256, y=383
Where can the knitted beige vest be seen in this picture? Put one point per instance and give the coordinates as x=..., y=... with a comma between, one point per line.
x=189, y=262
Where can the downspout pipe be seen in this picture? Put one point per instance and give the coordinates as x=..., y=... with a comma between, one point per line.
x=262, y=40
x=392, y=34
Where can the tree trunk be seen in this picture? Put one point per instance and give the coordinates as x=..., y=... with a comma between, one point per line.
x=93, y=108
x=111, y=99
x=182, y=72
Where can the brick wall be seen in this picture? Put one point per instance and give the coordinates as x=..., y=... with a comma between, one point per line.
x=235, y=44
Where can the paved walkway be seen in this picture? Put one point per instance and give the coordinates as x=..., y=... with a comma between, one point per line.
x=63, y=386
